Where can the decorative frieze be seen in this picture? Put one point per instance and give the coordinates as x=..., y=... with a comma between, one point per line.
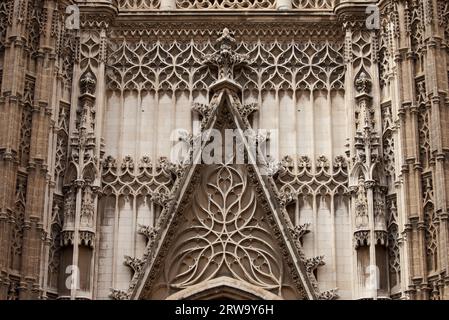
x=226, y=4
x=138, y=4
x=145, y=5
x=127, y=179
x=314, y=4
x=151, y=66
x=298, y=176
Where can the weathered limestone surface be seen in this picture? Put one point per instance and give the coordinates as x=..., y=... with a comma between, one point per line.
x=352, y=201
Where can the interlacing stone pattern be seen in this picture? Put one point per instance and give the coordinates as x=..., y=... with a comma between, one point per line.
x=226, y=4
x=226, y=231
x=138, y=4
x=154, y=181
x=177, y=66
x=297, y=175
x=313, y=4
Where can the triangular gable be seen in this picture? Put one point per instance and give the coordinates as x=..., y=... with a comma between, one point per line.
x=225, y=222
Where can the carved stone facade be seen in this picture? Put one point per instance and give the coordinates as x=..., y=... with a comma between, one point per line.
x=104, y=194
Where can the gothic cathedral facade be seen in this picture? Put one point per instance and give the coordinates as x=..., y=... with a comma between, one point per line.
x=348, y=99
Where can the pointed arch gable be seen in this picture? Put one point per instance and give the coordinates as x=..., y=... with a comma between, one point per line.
x=179, y=220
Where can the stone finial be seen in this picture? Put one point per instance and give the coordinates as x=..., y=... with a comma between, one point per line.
x=227, y=40
x=225, y=58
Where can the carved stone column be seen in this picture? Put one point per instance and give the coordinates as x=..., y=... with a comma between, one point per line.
x=367, y=176
x=83, y=179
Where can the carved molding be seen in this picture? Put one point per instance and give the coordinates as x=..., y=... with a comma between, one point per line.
x=154, y=181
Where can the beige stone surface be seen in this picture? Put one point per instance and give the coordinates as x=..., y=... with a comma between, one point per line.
x=355, y=120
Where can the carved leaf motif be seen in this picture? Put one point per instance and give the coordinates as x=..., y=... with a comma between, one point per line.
x=119, y=295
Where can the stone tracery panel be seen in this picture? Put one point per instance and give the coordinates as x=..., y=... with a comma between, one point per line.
x=443, y=11
x=225, y=232
x=424, y=115
x=362, y=45
x=161, y=78
x=316, y=198
x=394, y=258
x=57, y=215
x=134, y=195
x=177, y=66
x=299, y=176
x=18, y=224
x=138, y=4
x=143, y=178
x=313, y=4
x=431, y=222
x=389, y=32
x=416, y=30
x=3, y=23
x=35, y=20
x=388, y=145
x=226, y=4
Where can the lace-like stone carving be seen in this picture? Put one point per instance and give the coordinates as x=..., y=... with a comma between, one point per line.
x=138, y=4
x=226, y=4
x=119, y=295
x=174, y=66
x=313, y=4
x=226, y=232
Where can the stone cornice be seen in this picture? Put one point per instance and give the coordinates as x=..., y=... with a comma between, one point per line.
x=330, y=29
x=182, y=19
